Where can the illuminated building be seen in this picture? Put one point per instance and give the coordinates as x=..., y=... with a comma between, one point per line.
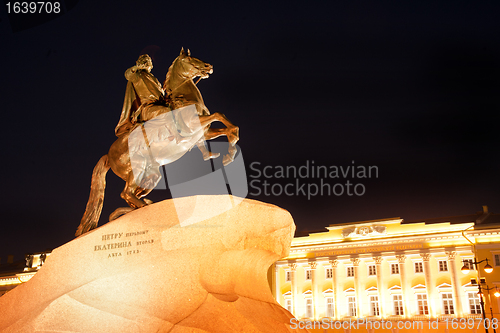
x=394, y=271
x=12, y=274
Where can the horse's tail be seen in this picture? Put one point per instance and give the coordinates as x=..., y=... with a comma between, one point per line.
x=94, y=205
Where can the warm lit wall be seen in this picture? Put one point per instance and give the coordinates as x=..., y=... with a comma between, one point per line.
x=10, y=280
x=487, y=247
x=439, y=247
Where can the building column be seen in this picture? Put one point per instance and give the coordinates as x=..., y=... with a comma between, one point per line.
x=402, y=275
x=455, y=283
x=293, y=267
x=355, y=263
x=380, y=286
x=429, y=284
x=334, y=263
x=313, y=265
x=277, y=288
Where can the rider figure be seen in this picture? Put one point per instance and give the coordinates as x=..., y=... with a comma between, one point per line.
x=144, y=98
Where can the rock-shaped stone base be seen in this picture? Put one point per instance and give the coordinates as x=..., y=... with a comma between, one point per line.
x=144, y=272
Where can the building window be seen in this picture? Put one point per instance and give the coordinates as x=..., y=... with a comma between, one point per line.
x=309, y=308
x=419, y=267
x=398, y=305
x=288, y=276
x=329, y=273
x=351, y=306
x=443, y=266
x=448, y=304
x=308, y=274
x=350, y=271
x=374, y=310
x=474, y=303
x=394, y=268
x=496, y=259
x=329, y=307
x=469, y=263
x=423, y=308
x=288, y=305
x=372, y=270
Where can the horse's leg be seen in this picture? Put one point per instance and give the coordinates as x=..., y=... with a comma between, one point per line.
x=206, y=153
x=232, y=131
x=132, y=200
x=141, y=193
x=128, y=193
x=213, y=133
x=150, y=180
x=228, y=158
x=131, y=194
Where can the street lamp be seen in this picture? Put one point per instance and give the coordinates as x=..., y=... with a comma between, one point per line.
x=466, y=267
x=487, y=268
x=497, y=294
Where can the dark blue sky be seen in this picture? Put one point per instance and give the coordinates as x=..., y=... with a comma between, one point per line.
x=412, y=88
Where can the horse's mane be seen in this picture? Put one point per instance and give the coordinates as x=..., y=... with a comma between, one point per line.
x=166, y=86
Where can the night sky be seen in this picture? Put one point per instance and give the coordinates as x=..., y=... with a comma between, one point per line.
x=411, y=88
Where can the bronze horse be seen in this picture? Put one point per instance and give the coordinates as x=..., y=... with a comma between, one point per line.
x=182, y=92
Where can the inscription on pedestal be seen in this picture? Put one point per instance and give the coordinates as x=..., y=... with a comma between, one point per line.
x=126, y=242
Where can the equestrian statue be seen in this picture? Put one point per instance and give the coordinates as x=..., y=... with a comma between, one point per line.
x=157, y=126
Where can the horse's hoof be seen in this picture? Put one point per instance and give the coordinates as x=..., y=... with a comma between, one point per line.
x=149, y=202
x=227, y=159
x=210, y=156
x=119, y=212
x=234, y=136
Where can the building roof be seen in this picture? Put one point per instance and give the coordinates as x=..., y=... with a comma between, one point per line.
x=482, y=219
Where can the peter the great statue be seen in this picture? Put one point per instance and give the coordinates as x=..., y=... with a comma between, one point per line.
x=157, y=126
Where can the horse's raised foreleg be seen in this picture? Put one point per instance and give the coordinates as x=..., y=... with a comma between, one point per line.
x=231, y=130
x=214, y=133
x=228, y=158
x=232, y=135
x=206, y=153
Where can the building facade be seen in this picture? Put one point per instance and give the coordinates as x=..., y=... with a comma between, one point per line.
x=13, y=274
x=395, y=272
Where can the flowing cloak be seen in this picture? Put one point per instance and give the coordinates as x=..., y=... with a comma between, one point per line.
x=142, y=88
x=130, y=105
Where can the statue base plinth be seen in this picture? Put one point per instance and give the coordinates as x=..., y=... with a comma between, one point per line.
x=144, y=272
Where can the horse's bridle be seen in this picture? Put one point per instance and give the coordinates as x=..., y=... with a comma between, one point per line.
x=187, y=79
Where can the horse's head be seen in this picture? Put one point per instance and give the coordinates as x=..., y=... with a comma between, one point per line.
x=179, y=81
x=190, y=67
